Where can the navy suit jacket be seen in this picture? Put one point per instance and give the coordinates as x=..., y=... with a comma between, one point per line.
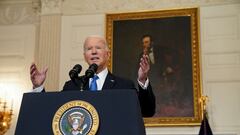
x=146, y=97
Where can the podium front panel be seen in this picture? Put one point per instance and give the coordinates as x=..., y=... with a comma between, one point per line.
x=119, y=111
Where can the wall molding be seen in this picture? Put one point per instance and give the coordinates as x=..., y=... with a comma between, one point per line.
x=18, y=14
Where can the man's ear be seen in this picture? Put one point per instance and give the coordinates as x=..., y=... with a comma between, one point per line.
x=84, y=55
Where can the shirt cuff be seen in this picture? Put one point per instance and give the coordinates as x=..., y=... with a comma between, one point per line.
x=38, y=89
x=144, y=86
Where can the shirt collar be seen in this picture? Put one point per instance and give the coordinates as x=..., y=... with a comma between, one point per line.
x=103, y=74
x=102, y=77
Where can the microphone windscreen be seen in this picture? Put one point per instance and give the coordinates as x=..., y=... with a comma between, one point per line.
x=75, y=71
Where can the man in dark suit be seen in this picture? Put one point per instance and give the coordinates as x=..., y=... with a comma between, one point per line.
x=97, y=52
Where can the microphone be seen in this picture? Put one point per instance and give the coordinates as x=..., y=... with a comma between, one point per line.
x=73, y=73
x=91, y=70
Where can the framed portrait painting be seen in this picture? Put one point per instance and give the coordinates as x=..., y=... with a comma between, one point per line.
x=170, y=38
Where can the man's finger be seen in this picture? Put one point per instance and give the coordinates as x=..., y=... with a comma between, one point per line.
x=45, y=70
x=146, y=58
x=33, y=69
x=144, y=62
x=33, y=74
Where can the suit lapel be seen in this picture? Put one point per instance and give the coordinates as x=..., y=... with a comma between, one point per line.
x=109, y=81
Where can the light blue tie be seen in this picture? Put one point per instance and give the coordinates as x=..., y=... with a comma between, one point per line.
x=93, y=85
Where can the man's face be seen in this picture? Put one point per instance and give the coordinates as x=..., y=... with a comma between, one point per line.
x=95, y=51
x=146, y=41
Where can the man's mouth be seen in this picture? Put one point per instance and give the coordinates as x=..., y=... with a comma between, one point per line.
x=95, y=58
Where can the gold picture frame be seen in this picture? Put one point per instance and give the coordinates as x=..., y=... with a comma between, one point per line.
x=176, y=78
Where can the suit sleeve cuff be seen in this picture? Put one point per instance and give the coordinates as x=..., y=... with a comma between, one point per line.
x=144, y=86
x=38, y=89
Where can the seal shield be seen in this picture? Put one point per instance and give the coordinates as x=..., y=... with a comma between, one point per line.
x=75, y=118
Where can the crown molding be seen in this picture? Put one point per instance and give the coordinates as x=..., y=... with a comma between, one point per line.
x=14, y=2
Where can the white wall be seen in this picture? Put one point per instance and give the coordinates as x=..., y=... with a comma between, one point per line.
x=18, y=32
x=16, y=54
x=220, y=39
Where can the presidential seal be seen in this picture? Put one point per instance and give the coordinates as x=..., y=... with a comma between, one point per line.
x=75, y=118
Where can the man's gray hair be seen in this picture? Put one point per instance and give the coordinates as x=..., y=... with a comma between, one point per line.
x=96, y=36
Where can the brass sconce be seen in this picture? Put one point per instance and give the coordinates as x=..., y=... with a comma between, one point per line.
x=5, y=117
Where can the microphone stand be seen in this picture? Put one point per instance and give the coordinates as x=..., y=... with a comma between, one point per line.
x=83, y=82
x=75, y=82
x=84, y=79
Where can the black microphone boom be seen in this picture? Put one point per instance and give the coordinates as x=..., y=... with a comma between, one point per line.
x=73, y=73
x=91, y=70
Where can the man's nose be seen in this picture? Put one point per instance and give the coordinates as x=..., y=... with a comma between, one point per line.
x=94, y=50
